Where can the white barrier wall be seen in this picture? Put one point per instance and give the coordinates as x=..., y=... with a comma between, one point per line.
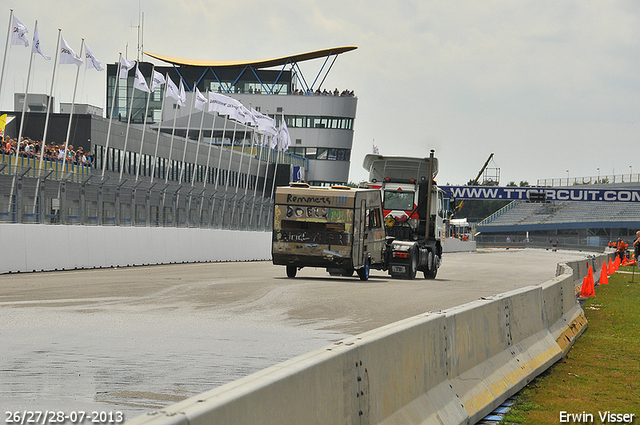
x=456, y=245
x=449, y=367
x=37, y=247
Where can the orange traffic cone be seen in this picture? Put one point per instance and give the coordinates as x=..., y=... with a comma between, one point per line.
x=604, y=266
x=604, y=280
x=611, y=268
x=616, y=264
x=587, y=288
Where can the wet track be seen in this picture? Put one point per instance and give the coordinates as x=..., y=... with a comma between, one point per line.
x=135, y=339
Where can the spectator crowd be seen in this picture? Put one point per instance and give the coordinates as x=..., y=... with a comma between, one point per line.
x=54, y=152
x=325, y=92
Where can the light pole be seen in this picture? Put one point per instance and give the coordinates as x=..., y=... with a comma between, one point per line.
x=598, y=181
x=567, y=177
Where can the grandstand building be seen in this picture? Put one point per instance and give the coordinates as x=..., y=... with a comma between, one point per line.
x=320, y=122
x=564, y=222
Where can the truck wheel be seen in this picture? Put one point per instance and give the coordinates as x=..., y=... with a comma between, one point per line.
x=291, y=271
x=363, y=273
x=413, y=264
x=433, y=271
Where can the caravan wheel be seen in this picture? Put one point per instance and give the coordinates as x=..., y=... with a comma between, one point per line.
x=363, y=273
x=291, y=271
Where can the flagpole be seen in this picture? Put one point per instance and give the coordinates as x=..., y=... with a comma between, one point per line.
x=6, y=49
x=73, y=101
x=213, y=126
x=255, y=187
x=186, y=136
x=24, y=104
x=233, y=136
x=206, y=172
x=224, y=129
x=226, y=182
x=126, y=135
x=221, y=148
x=244, y=137
x=266, y=174
x=173, y=131
x=193, y=180
x=246, y=186
x=278, y=158
x=113, y=105
x=53, y=80
x=155, y=153
x=144, y=126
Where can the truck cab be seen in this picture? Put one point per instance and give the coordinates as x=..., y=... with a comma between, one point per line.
x=414, y=211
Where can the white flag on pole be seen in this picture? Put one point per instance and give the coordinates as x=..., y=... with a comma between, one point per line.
x=36, y=44
x=285, y=139
x=67, y=55
x=158, y=79
x=183, y=97
x=125, y=66
x=139, y=82
x=18, y=34
x=248, y=116
x=265, y=123
x=91, y=61
x=224, y=105
x=201, y=101
x=172, y=90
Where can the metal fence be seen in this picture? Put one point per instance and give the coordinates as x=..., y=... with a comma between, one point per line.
x=75, y=196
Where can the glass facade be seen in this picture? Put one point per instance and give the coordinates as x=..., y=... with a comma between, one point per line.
x=335, y=123
x=329, y=154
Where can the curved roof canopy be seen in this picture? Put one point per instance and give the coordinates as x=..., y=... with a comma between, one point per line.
x=264, y=63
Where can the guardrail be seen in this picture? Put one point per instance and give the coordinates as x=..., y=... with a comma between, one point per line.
x=575, y=181
x=448, y=367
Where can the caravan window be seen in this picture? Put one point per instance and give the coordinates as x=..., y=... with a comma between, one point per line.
x=373, y=218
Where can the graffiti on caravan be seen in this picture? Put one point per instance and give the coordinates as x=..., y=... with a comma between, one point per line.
x=543, y=193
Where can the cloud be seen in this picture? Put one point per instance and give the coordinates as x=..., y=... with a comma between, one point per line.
x=546, y=85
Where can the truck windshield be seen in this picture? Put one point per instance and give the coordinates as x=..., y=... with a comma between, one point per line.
x=398, y=200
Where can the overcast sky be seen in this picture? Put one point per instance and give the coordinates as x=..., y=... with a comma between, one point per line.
x=552, y=88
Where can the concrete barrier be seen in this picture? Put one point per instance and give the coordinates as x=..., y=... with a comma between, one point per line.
x=448, y=367
x=38, y=247
x=456, y=245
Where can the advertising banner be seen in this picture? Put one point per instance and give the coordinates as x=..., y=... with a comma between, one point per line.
x=542, y=193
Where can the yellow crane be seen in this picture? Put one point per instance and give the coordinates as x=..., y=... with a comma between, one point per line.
x=475, y=181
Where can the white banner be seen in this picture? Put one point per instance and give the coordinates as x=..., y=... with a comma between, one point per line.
x=125, y=67
x=91, y=61
x=201, y=101
x=264, y=123
x=68, y=56
x=18, y=34
x=283, y=135
x=36, y=44
x=223, y=105
x=139, y=82
x=172, y=90
x=158, y=79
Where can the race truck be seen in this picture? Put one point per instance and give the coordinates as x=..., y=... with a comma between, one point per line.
x=414, y=212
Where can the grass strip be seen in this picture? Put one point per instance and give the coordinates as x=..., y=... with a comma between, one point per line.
x=601, y=373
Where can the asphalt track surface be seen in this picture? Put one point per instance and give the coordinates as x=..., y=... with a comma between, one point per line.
x=136, y=339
